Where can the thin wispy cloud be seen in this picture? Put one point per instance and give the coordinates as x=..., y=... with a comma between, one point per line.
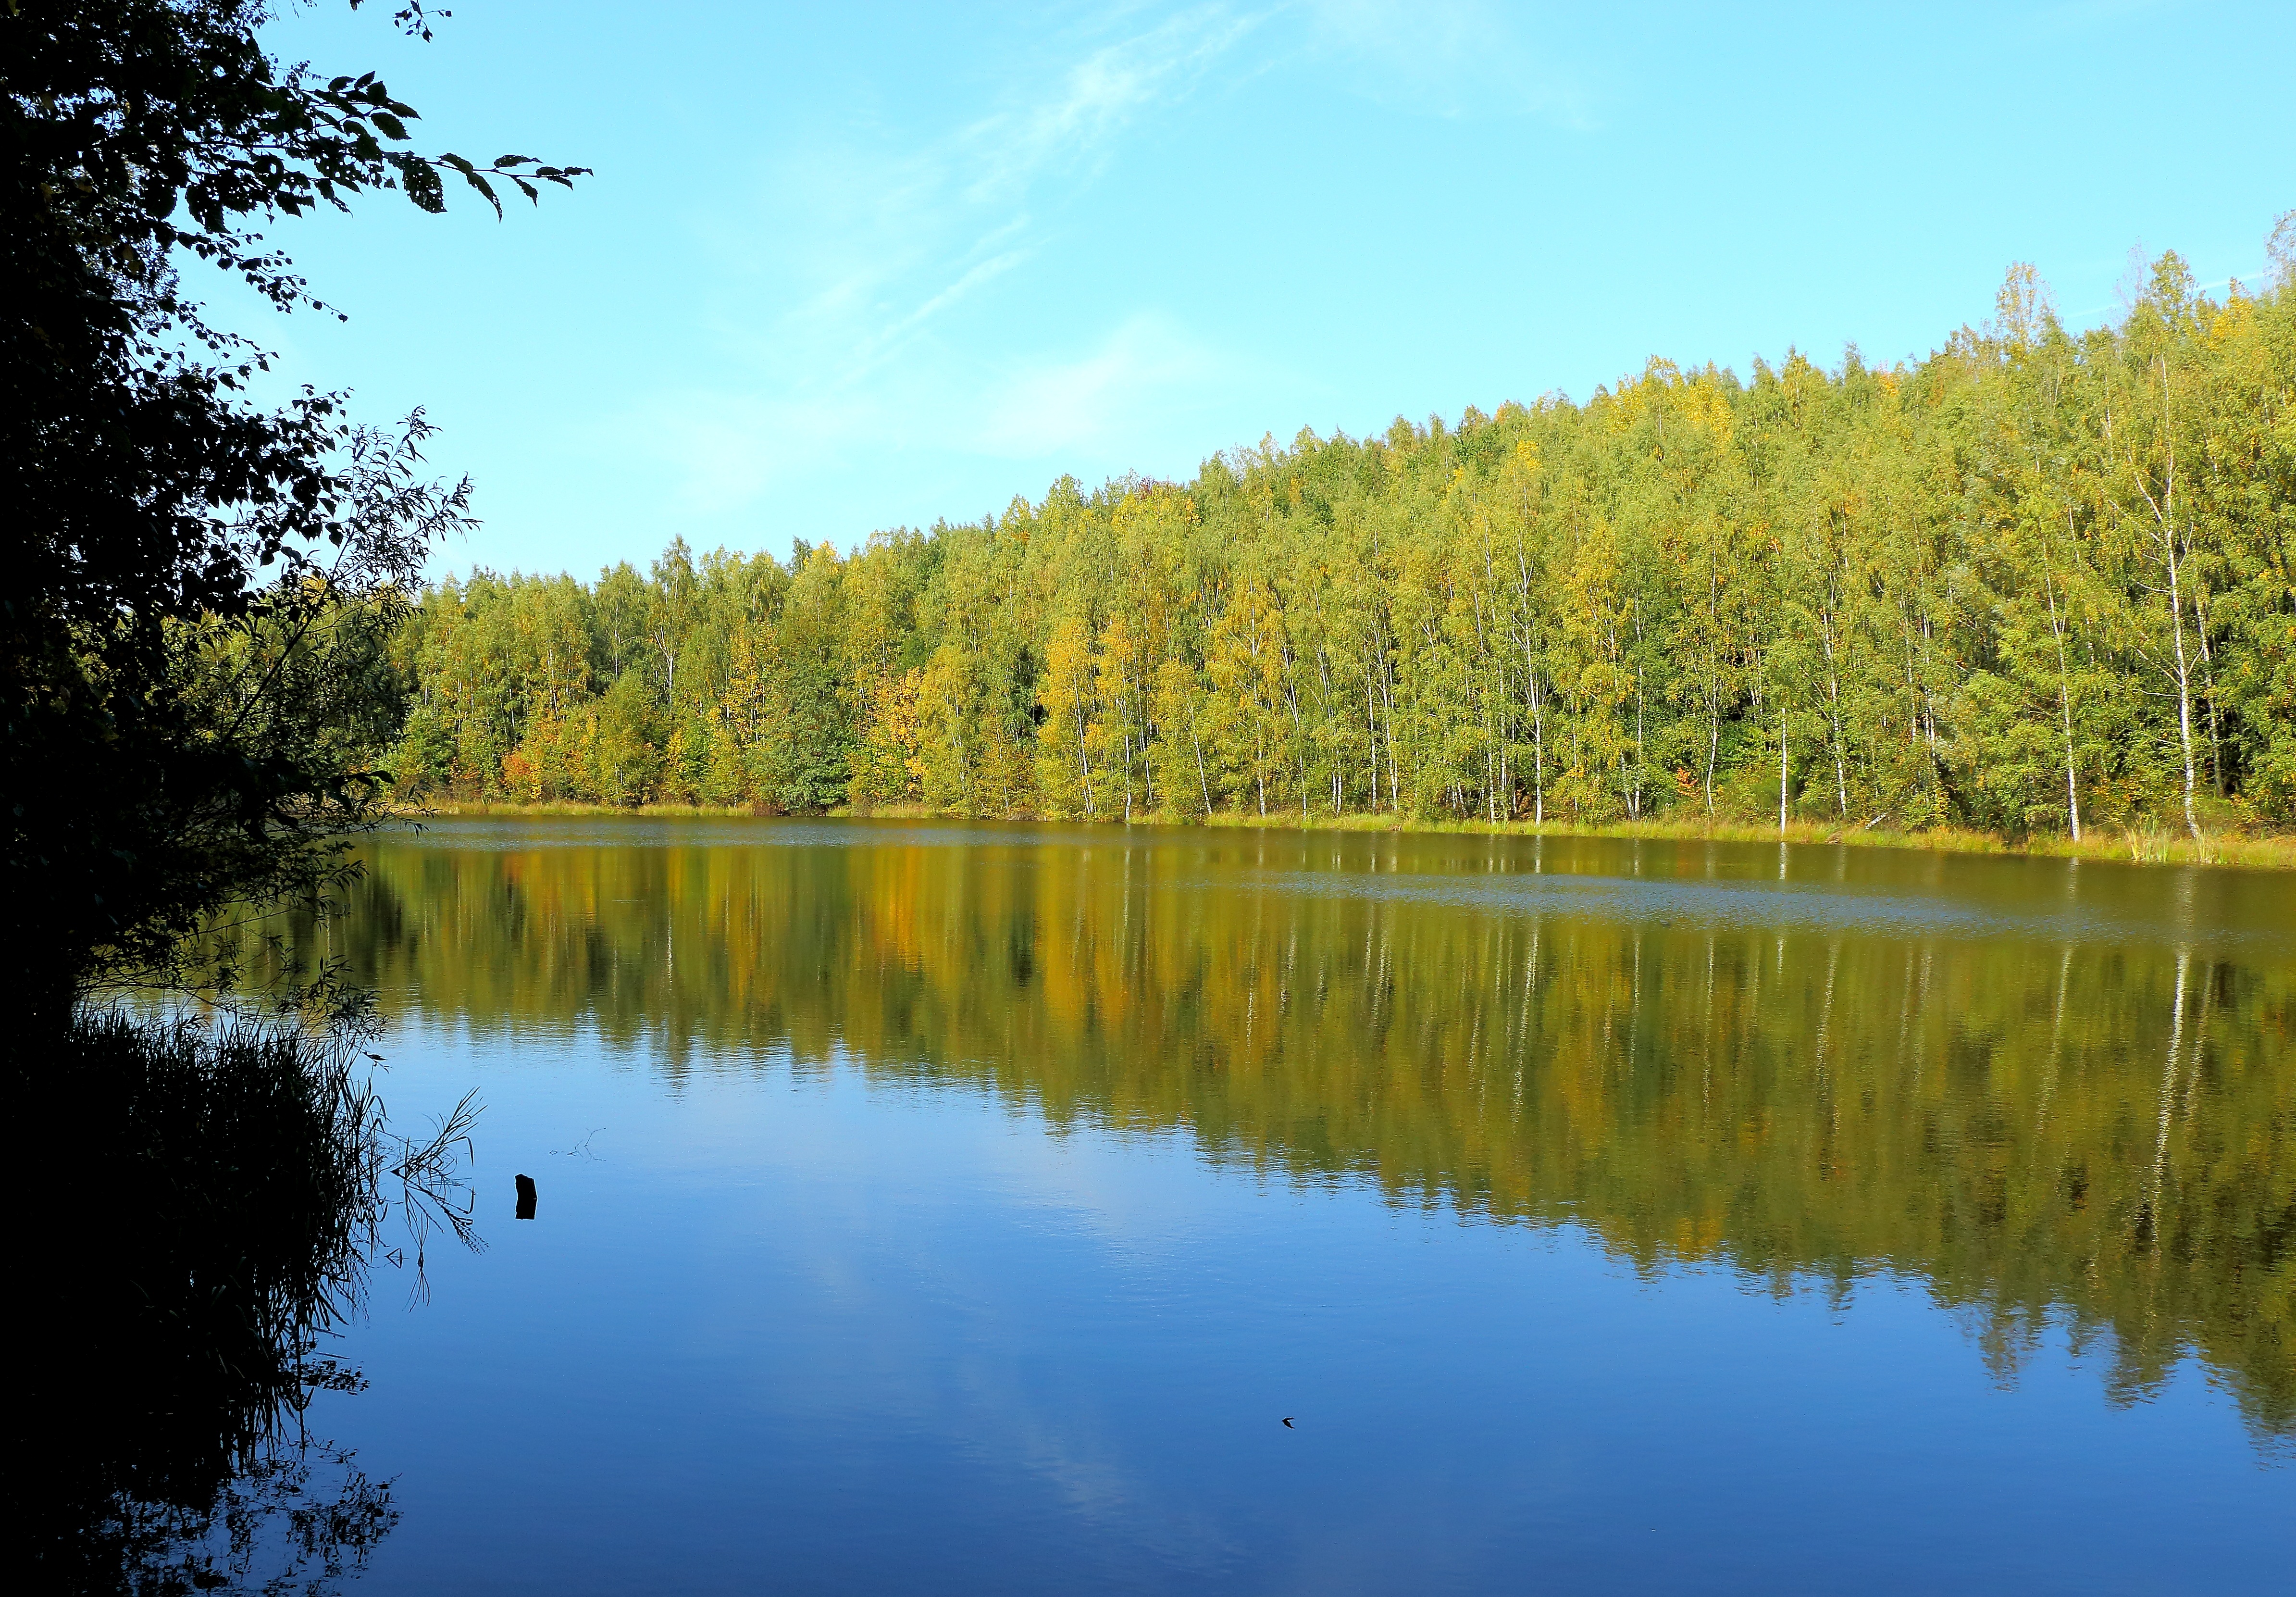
x=727, y=447
x=1096, y=400
x=1447, y=58
x=881, y=259
x=915, y=231
x=1099, y=98
x=873, y=247
x=724, y=446
x=873, y=348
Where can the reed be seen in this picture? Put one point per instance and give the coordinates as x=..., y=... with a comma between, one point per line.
x=208, y=1200
x=2263, y=850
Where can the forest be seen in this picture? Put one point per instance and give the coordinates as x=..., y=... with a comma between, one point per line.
x=2042, y=581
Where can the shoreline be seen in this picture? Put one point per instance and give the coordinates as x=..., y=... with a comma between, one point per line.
x=2231, y=849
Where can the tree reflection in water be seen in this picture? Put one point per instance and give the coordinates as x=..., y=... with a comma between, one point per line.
x=210, y=1203
x=2056, y=1093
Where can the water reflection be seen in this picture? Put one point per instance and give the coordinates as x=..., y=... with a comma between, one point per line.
x=214, y=1197
x=2057, y=1093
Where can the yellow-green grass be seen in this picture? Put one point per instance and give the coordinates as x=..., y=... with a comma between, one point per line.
x=2264, y=850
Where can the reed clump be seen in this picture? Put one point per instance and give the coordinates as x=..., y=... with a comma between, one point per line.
x=2146, y=845
x=208, y=1199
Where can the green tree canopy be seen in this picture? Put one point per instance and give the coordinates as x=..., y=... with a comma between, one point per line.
x=2041, y=580
x=151, y=495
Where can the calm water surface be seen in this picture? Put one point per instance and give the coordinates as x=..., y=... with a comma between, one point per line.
x=948, y=1208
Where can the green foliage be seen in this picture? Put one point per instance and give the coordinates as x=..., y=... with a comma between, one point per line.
x=2038, y=583
x=227, y=1186
x=196, y=585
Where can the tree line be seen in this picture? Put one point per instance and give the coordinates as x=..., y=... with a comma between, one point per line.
x=2041, y=581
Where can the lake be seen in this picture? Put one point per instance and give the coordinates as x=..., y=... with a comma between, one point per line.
x=947, y=1207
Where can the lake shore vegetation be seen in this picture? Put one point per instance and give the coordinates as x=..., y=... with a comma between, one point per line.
x=2153, y=847
x=200, y=581
x=192, y=683
x=2038, y=585
x=226, y=1187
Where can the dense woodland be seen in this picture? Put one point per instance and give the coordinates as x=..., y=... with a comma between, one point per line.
x=2041, y=581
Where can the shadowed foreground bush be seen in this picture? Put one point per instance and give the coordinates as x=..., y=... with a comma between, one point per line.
x=203, y=1205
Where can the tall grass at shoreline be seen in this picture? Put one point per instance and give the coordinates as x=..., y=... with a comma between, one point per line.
x=2150, y=846
x=211, y=1197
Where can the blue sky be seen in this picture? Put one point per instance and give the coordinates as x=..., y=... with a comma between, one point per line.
x=851, y=266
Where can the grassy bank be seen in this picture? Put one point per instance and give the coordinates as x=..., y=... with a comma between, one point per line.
x=2266, y=852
